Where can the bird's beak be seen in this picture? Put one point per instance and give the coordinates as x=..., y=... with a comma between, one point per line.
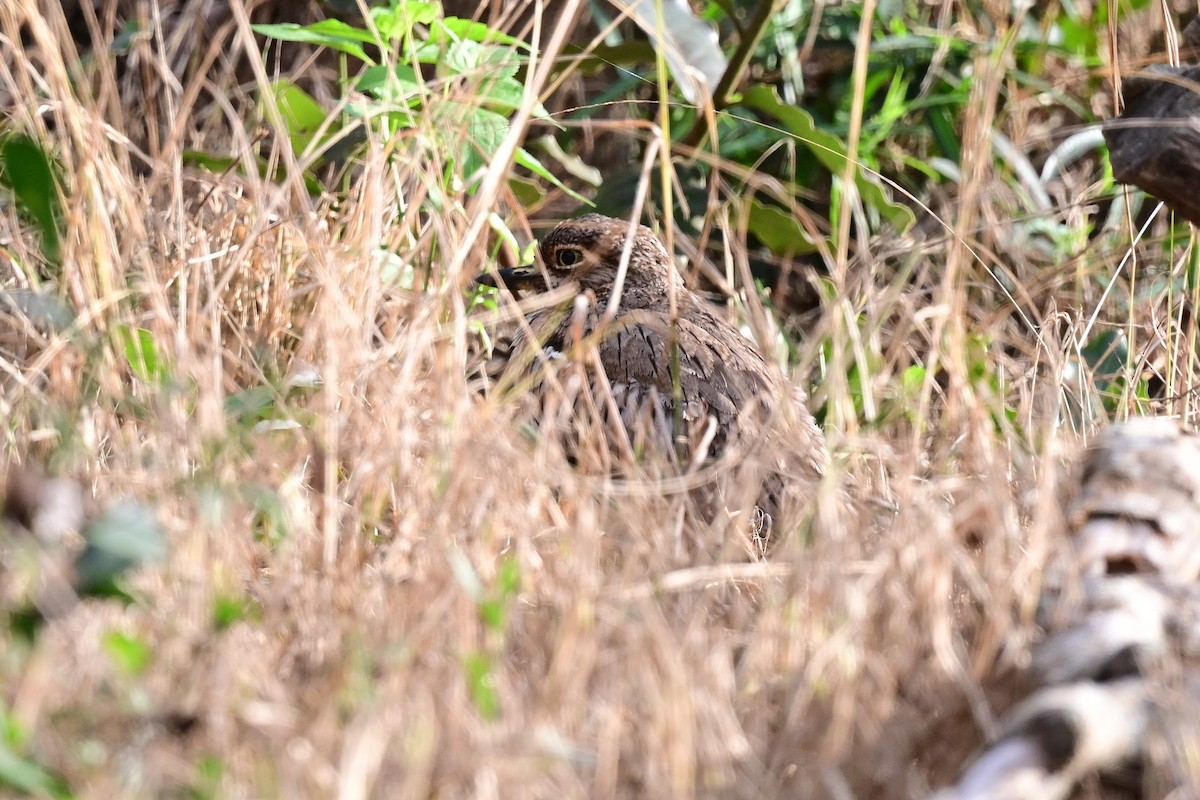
x=515, y=279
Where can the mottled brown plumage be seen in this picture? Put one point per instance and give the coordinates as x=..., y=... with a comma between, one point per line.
x=728, y=404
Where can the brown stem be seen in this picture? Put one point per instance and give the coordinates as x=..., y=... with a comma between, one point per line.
x=737, y=65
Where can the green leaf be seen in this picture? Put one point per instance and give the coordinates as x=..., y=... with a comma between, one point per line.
x=143, y=356
x=944, y=128
x=485, y=132
x=1078, y=36
x=26, y=623
x=212, y=163
x=126, y=38
x=396, y=22
x=29, y=777
x=494, y=614
x=330, y=33
x=26, y=171
x=122, y=538
x=462, y=58
x=830, y=151
x=456, y=28
x=389, y=122
x=252, y=405
x=509, y=577
x=912, y=380
x=529, y=162
x=1106, y=355
x=130, y=654
x=504, y=95
x=270, y=524
x=228, y=610
x=302, y=115
x=778, y=230
x=606, y=56
x=391, y=82
x=222, y=164
x=482, y=685
x=526, y=191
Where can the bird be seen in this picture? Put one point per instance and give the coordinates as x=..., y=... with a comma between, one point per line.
x=634, y=366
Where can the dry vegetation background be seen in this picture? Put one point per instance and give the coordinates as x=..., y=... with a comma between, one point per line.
x=377, y=584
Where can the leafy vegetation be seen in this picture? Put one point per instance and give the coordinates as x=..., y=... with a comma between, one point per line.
x=311, y=557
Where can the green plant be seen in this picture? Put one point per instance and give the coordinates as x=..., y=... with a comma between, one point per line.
x=22, y=774
x=454, y=79
x=28, y=174
x=492, y=603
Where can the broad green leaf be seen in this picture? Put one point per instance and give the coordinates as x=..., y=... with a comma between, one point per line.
x=485, y=132
x=330, y=33
x=26, y=171
x=509, y=577
x=473, y=59
x=462, y=58
x=270, y=523
x=394, y=270
x=427, y=53
x=606, y=56
x=529, y=162
x=526, y=191
x=217, y=164
x=778, y=230
x=503, y=95
x=389, y=118
x=223, y=164
x=829, y=150
x=912, y=380
x=130, y=654
x=142, y=355
x=252, y=405
x=28, y=777
x=494, y=613
x=228, y=609
x=122, y=538
x=302, y=115
x=125, y=39
x=1078, y=36
x=456, y=28
x=395, y=22
x=391, y=82
x=1106, y=355
x=482, y=685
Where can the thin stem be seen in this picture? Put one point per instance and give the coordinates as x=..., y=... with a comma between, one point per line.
x=737, y=65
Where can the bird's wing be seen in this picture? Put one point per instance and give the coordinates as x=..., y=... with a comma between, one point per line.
x=721, y=377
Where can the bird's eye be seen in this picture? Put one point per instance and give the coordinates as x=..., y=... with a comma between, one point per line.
x=567, y=257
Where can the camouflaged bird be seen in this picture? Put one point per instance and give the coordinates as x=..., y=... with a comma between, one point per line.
x=688, y=389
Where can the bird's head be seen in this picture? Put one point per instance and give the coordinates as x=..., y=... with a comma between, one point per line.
x=587, y=252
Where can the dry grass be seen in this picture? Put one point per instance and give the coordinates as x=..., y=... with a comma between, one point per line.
x=370, y=544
